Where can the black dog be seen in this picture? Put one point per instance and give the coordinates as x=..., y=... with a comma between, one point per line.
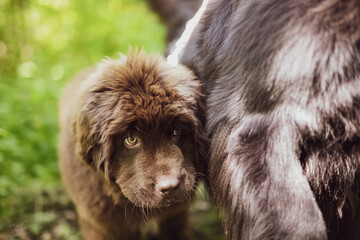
x=282, y=79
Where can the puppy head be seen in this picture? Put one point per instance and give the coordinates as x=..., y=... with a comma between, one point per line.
x=138, y=125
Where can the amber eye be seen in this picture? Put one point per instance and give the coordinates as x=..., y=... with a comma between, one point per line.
x=176, y=133
x=131, y=141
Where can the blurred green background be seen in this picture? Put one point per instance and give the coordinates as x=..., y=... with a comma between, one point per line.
x=43, y=43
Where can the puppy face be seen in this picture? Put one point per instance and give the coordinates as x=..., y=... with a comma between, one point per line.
x=138, y=126
x=156, y=168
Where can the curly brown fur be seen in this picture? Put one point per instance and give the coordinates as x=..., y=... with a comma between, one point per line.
x=282, y=80
x=132, y=146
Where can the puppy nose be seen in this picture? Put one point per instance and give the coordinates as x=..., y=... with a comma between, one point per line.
x=166, y=184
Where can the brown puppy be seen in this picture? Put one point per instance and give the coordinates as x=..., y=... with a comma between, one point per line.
x=131, y=146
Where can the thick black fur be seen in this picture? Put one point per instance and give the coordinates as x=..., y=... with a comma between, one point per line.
x=282, y=79
x=175, y=14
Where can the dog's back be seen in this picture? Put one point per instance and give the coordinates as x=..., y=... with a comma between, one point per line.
x=282, y=80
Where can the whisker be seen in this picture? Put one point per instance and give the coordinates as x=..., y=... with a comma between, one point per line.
x=132, y=211
x=143, y=212
x=202, y=192
x=202, y=175
x=127, y=202
x=147, y=209
x=188, y=197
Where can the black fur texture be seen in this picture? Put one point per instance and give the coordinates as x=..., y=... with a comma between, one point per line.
x=282, y=79
x=175, y=14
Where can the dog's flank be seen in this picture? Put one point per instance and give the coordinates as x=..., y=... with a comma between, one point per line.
x=341, y=16
x=132, y=146
x=282, y=80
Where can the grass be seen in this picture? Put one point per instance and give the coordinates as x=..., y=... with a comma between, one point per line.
x=43, y=43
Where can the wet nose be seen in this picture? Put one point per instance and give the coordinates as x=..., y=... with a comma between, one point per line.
x=167, y=184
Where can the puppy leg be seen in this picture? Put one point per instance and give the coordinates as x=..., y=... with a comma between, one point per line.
x=99, y=232
x=257, y=178
x=175, y=227
x=89, y=232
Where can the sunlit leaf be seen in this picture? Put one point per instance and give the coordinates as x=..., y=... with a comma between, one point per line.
x=26, y=70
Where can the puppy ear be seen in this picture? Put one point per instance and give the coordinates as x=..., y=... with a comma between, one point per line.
x=94, y=125
x=98, y=119
x=91, y=146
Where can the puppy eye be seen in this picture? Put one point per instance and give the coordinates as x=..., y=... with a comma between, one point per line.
x=176, y=133
x=131, y=141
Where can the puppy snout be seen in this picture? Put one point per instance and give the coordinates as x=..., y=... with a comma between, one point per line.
x=167, y=184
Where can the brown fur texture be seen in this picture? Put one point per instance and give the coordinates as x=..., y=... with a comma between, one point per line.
x=132, y=147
